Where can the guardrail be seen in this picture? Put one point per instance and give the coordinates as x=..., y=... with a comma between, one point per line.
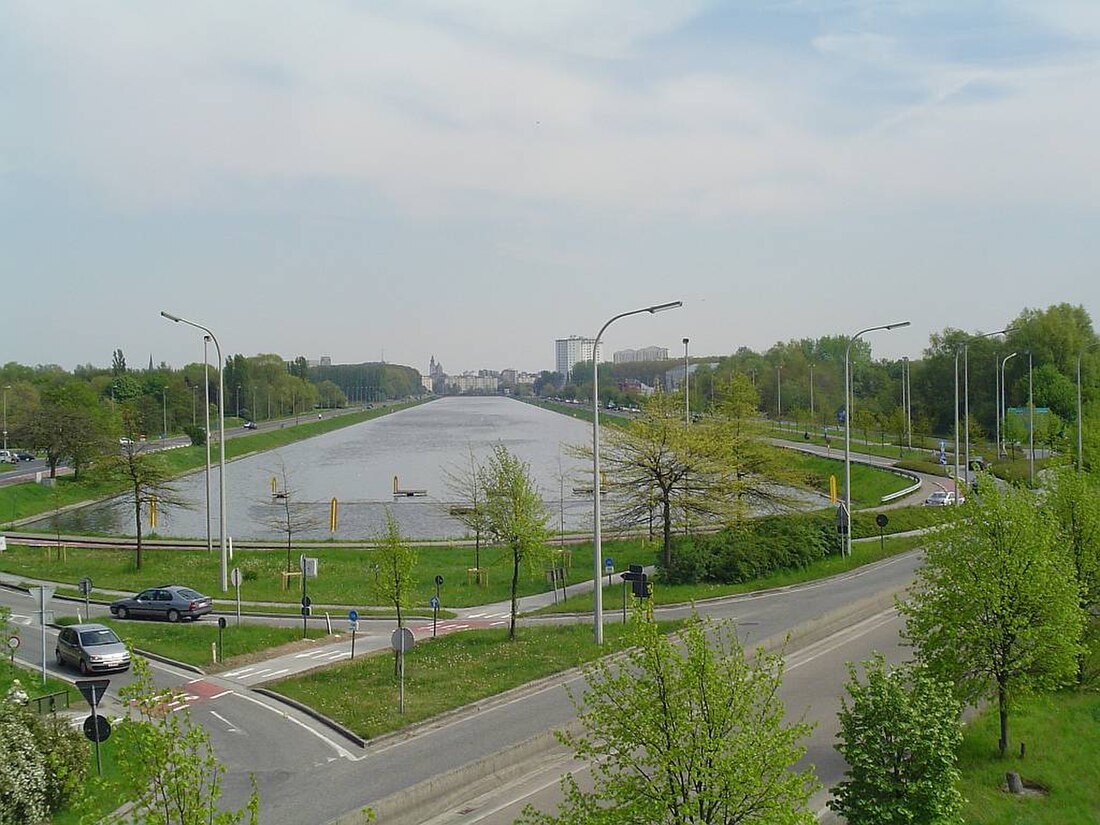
x=51, y=701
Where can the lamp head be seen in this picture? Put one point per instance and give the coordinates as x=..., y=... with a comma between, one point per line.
x=897, y=325
x=662, y=307
x=170, y=316
x=685, y=342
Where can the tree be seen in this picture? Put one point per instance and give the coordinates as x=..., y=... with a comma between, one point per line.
x=514, y=515
x=899, y=735
x=118, y=363
x=289, y=515
x=71, y=424
x=467, y=485
x=391, y=569
x=176, y=757
x=690, y=733
x=995, y=610
x=148, y=482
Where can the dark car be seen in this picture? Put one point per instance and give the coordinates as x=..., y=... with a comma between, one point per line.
x=24, y=456
x=91, y=648
x=170, y=601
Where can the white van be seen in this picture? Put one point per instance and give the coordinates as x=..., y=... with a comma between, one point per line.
x=8, y=457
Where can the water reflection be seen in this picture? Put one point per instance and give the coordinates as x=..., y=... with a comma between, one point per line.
x=357, y=465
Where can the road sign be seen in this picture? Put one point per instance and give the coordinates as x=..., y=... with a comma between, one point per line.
x=438, y=581
x=306, y=601
x=434, y=602
x=41, y=593
x=306, y=611
x=402, y=640
x=353, y=615
x=222, y=623
x=881, y=520
x=93, y=689
x=85, y=585
x=353, y=626
x=609, y=563
x=97, y=728
x=235, y=577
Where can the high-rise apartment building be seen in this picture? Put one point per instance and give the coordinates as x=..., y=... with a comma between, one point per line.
x=629, y=356
x=571, y=351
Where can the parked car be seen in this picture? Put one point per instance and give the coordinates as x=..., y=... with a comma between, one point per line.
x=126, y=442
x=249, y=425
x=171, y=601
x=8, y=457
x=91, y=648
x=942, y=498
x=23, y=455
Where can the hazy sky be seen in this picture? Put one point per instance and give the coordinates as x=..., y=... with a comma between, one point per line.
x=474, y=179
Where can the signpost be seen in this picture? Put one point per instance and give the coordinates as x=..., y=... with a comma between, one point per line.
x=353, y=626
x=434, y=602
x=43, y=595
x=881, y=520
x=402, y=640
x=639, y=582
x=221, y=628
x=96, y=727
x=85, y=586
x=609, y=568
x=235, y=578
x=13, y=645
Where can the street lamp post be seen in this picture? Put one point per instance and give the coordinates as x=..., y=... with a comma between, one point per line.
x=779, y=396
x=164, y=402
x=1030, y=426
x=238, y=401
x=811, y=395
x=221, y=443
x=908, y=405
x=687, y=404
x=8, y=386
x=848, y=431
x=966, y=398
x=1004, y=405
x=206, y=432
x=597, y=550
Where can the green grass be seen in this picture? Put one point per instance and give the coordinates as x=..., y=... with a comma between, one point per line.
x=102, y=794
x=869, y=484
x=18, y=501
x=1062, y=734
x=343, y=571
x=31, y=680
x=445, y=673
x=666, y=594
x=190, y=641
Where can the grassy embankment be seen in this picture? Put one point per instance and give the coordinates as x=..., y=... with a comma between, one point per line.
x=190, y=641
x=19, y=501
x=445, y=673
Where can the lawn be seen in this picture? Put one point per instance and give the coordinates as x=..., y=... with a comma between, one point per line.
x=665, y=594
x=102, y=794
x=31, y=681
x=344, y=571
x=445, y=673
x=190, y=641
x=1062, y=734
x=18, y=501
x=869, y=484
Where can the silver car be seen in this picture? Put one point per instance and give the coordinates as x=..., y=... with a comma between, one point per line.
x=91, y=648
x=170, y=601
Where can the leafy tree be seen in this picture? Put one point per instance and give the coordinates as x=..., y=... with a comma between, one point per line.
x=23, y=769
x=899, y=735
x=514, y=515
x=148, y=482
x=393, y=563
x=118, y=363
x=995, y=610
x=690, y=733
x=71, y=424
x=176, y=757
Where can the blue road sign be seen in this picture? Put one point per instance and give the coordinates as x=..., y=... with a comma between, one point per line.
x=609, y=563
x=353, y=615
x=434, y=602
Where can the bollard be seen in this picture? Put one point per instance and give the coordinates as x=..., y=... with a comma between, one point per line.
x=214, y=652
x=328, y=623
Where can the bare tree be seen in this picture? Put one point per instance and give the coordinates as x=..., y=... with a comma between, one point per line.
x=467, y=485
x=289, y=515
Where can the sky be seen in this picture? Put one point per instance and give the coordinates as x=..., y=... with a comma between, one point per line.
x=472, y=179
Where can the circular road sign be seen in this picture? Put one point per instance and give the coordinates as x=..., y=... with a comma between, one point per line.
x=353, y=615
x=235, y=577
x=434, y=602
x=881, y=520
x=222, y=623
x=85, y=586
x=13, y=642
x=306, y=601
x=609, y=563
x=90, y=725
x=438, y=581
x=402, y=639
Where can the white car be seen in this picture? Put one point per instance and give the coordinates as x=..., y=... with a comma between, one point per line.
x=942, y=498
x=8, y=457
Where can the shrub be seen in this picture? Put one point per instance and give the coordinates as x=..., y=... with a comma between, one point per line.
x=23, y=782
x=66, y=757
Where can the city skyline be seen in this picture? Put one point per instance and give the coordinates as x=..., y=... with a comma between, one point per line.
x=477, y=178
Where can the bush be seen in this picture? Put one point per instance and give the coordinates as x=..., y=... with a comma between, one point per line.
x=196, y=434
x=66, y=753
x=23, y=780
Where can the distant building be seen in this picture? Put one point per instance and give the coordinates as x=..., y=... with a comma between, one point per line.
x=674, y=378
x=629, y=356
x=326, y=360
x=633, y=385
x=571, y=351
x=471, y=383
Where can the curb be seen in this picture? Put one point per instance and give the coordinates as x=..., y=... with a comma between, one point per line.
x=313, y=714
x=432, y=796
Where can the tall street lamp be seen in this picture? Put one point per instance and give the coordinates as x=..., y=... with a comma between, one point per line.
x=687, y=404
x=966, y=397
x=847, y=517
x=8, y=386
x=597, y=550
x=221, y=443
x=1004, y=405
x=908, y=404
x=194, y=406
x=811, y=395
x=164, y=402
x=779, y=395
x=238, y=401
x=206, y=430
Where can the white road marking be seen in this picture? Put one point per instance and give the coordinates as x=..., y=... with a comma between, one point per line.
x=343, y=752
x=240, y=672
x=222, y=719
x=219, y=695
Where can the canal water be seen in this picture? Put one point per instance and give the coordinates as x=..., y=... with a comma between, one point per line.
x=357, y=465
